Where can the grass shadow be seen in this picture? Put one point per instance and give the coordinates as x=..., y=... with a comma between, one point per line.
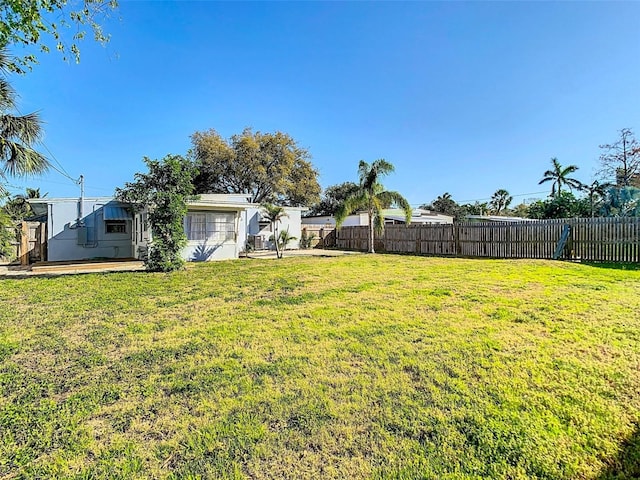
x=613, y=266
x=626, y=465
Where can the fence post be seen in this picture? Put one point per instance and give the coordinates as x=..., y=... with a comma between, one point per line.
x=42, y=241
x=456, y=239
x=24, y=244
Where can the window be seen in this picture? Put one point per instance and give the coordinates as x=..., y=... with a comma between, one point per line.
x=115, y=226
x=210, y=226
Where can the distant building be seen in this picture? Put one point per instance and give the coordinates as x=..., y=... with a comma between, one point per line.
x=496, y=219
x=392, y=216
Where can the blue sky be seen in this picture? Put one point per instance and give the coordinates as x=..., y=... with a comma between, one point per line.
x=461, y=97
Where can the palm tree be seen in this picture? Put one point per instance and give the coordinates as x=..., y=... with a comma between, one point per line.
x=285, y=238
x=596, y=189
x=274, y=214
x=372, y=197
x=18, y=207
x=500, y=200
x=18, y=133
x=559, y=176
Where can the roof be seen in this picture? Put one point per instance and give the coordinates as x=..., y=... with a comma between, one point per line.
x=417, y=215
x=498, y=218
x=115, y=212
x=39, y=205
x=220, y=201
x=223, y=198
x=47, y=200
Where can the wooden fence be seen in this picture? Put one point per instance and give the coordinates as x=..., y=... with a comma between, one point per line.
x=592, y=239
x=324, y=236
x=30, y=244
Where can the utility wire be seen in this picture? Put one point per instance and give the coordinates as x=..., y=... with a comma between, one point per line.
x=64, y=174
x=62, y=171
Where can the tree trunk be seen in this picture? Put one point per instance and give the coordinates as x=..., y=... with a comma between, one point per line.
x=371, y=237
x=275, y=240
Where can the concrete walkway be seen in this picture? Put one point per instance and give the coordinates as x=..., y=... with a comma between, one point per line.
x=312, y=252
x=66, y=268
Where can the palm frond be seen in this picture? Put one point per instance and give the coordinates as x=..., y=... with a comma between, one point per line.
x=7, y=96
x=382, y=167
x=363, y=171
x=567, y=170
x=18, y=133
x=273, y=213
x=353, y=202
x=573, y=183
x=546, y=177
x=394, y=198
x=25, y=128
x=20, y=160
x=5, y=60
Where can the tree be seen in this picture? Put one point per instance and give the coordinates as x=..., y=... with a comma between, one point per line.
x=7, y=234
x=443, y=204
x=284, y=239
x=595, y=191
x=18, y=207
x=621, y=160
x=622, y=202
x=274, y=214
x=18, y=133
x=270, y=167
x=563, y=205
x=372, y=197
x=333, y=197
x=559, y=176
x=521, y=210
x=164, y=191
x=28, y=23
x=476, y=208
x=446, y=205
x=500, y=200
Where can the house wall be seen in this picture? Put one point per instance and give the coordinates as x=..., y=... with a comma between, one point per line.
x=291, y=222
x=351, y=220
x=64, y=234
x=199, y=251
x=247, y=223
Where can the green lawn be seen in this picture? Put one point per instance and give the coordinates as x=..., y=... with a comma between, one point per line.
x=382, y=366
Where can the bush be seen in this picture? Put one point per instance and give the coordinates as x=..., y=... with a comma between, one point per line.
x=163, y=192
x=306, y=239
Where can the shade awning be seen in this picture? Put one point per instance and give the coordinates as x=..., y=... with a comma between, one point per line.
x=116, y=213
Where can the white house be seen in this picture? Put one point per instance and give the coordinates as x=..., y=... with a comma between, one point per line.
x=217, y=227
x=84, y=229
x=221, y=226
x=391, y=216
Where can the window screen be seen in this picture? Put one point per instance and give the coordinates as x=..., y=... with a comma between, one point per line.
x=210, y=226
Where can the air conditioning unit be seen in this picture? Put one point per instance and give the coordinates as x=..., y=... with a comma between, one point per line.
x=257, y=242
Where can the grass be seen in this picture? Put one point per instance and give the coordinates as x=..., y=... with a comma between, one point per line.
x=381, y=367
